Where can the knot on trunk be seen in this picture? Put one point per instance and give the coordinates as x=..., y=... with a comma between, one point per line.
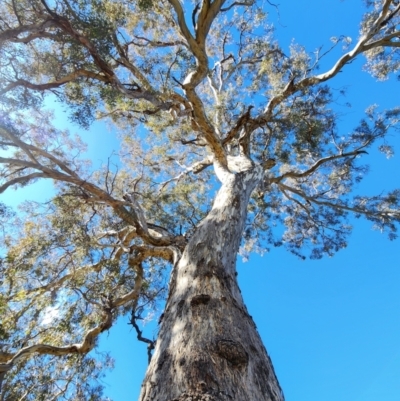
x=232, y=351
x=200, y=299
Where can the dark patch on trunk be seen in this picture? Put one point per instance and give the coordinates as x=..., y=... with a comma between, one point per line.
x=262, y=376
x=164, y=358
x=207, y=274
x=236, y=201
x=209, y=269
x=203, y=375
x=200, y=299
x=253, y=349
x=180, y=307
x=232, y=351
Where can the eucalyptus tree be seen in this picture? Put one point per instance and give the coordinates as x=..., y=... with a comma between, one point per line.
x=204, y=99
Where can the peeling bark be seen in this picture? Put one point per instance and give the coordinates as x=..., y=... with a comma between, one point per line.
x=208, y=346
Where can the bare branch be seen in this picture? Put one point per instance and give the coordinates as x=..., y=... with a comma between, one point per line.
x=182, y=23
x=358, y=210
x=150, y=343
x=157, y=43
x=131, y=67
x=196, y=168
x=54, y=84
x=315, y=166
x=208, y=12
x=38, y=29
x=234, y=132
x=194, y=78
x=21, y=180
x=28, y=149
x=238, y=3
x=75, y=274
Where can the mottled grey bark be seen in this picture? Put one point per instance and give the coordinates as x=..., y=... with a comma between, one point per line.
x=208, y=347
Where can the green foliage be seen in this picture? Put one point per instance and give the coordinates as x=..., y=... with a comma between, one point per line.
x=74, y=378
x=145, y=4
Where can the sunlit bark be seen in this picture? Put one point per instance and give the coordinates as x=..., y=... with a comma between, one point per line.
x=208, y=347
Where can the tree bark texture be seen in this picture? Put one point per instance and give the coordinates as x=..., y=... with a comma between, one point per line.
x=208, y=348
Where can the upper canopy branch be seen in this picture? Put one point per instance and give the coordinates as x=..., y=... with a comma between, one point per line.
x=383, y=213
x=202, y=124
x=207, y=14
x=158, y=43
x=234, y=132
x=315, y=166
x=54, y=84
x=184, y=30
x=363, y=44
x=124, y=60
x=195, y=168
x=12, y=34
x=238, y=3
x=105, y=72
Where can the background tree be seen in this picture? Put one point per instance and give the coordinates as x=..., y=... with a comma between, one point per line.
x=198, y=92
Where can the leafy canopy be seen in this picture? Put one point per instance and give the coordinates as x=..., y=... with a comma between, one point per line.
x=188, y=86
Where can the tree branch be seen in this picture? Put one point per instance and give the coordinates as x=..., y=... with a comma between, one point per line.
x=131, y=217
x=315, y=166
x=8, y=360
x=357, y=210
x=234, y=132
x=360, y=47
x=84, y=347
x=238, y=3
x=195, y=169
x=55, y=84
x=150, y=343
x=182, y=23
x=106, y=72
x=21, y=180
x=12, y=34
x=207, y=15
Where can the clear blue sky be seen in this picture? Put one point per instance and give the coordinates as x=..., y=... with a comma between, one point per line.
x=331, y=327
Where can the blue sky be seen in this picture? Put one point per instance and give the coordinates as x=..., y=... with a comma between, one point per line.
x=331, y=327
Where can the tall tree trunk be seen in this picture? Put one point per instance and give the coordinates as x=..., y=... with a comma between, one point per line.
x=208, y=347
